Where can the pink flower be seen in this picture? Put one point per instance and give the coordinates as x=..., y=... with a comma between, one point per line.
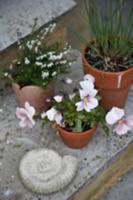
x=114, y=115
x=87, y=102
x=54, y=115
x=122, y=125
x=88, y=86
x=26, y=116
x=89, y=77
x=58, y=98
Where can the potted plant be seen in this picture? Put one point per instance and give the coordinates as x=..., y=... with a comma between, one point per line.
x=38, y=64
x=108, y=56
x=76, y=116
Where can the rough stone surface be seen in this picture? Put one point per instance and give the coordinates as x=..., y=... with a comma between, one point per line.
x=91, y=159
x=16, y=17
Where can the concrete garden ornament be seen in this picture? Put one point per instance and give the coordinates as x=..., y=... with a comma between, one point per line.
x=44, y=171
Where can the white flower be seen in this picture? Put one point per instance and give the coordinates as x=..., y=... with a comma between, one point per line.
x=54, y=115
x=26, y=115
x=43, y=115
x=114, y=115
x=87, y=102
x=39, y=43
x=48, y=100
x=27, y=61
x=68, y=80
x=29, y=45
x=63, y=62
x=89, y=77
x=50, y=65
x=38, y=63
x=36, y=49
x=6, y=74
x=52, y=27
x=45, y=75
x=88, y=86
x=58, y=98
x=54, y=73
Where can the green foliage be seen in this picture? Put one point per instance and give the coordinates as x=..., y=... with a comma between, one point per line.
x=39, y=62
x=80, y=121
x=111, y=33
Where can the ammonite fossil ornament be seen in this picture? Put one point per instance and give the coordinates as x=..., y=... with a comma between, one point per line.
x=45, y=171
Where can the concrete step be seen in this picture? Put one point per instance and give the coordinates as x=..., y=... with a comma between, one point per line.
x=16, y=17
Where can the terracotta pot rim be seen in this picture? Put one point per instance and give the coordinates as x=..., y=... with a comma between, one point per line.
x=76, y=133
x=102, y=71
x=27, y=86
x=32, y=86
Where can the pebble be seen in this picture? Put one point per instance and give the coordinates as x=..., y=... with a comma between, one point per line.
x=8, y=193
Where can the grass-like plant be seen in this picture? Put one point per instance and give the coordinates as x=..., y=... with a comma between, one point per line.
x=112, y=45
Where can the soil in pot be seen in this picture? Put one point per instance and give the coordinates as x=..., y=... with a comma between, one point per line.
x=75, y=139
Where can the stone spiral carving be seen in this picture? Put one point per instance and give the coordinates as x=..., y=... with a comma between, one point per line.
x=44, y=171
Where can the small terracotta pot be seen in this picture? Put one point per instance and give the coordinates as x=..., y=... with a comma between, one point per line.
x=35, y=95
x=112, y=86
x=74, y=139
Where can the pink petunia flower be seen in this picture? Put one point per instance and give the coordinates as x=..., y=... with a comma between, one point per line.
x=26, y=115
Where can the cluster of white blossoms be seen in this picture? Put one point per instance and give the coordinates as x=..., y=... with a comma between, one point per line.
x=45, y=75
x=27, y=61
x=49, y=29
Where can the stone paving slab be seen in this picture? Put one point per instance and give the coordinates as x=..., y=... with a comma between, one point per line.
x=15, y=142
x=16, y=17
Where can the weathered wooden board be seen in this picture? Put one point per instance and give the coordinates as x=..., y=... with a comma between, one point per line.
x=107, y=177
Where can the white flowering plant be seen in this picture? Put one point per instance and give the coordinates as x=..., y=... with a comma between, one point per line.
x=39, y=62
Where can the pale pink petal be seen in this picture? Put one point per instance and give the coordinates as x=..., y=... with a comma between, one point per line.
x=51, y=114
x=25, y=116
x=58, y=98
x=93, y=93
x=83, y=93
x=80, y=105
x=92, y=103
x=58, y=118
x=21, y=113
x=87, y=107
x=86, y=85
x=114, y=115
x=129, y=121
x=121, y=129
x=89, y=77
x=23, y=123
x=30, y=109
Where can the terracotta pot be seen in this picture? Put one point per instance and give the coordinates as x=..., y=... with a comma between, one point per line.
x=74, y=139
x=113, y=86
x=35, y=95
